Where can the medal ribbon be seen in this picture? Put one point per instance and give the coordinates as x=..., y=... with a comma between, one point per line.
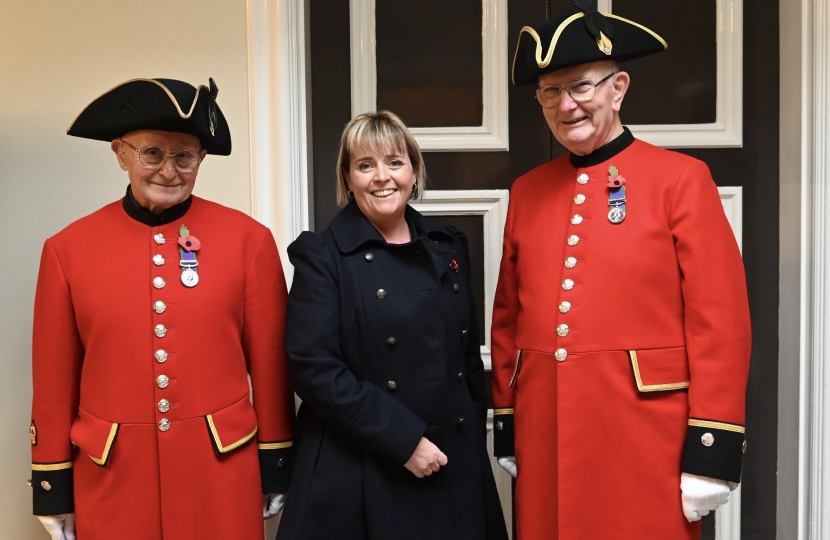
x=616, y=197
x=188, y=260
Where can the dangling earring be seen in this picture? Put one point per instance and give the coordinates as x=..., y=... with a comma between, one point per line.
x=414, y=194
x=350, y=193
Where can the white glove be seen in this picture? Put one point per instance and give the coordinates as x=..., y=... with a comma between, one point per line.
x=60, y=527
x=272, y=503
x=509, y=464
x=701, y=494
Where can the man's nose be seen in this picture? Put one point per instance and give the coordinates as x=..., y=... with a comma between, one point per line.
x=168, y=170
x=566, y=102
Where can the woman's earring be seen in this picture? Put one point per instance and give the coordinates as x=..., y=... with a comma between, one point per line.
x=414, y=193
x=350, y=193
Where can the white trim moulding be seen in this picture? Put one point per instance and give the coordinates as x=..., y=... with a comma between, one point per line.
x=727, y=130
x=492, y=135
x=492, y=206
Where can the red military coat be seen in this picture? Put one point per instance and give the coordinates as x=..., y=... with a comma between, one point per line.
x=141, y=393
x=620, y=351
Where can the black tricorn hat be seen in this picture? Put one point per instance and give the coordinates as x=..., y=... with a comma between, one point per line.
x=162, y=104
x=588, y=36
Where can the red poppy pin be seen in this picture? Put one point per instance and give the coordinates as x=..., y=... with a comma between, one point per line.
x=454, y=265
x=614, y=178
x=188, y=242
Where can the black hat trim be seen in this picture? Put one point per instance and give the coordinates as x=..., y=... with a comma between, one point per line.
x=169, y=94
x=543, y=63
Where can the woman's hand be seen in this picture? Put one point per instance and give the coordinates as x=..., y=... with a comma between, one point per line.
x=426, y=459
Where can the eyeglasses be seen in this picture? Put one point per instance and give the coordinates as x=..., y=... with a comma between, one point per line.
x=580, y=91
x=153, y=158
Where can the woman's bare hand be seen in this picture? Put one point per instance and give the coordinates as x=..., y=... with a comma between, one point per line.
x=426, y=459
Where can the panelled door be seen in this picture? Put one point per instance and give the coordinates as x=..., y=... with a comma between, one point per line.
x=443, y=67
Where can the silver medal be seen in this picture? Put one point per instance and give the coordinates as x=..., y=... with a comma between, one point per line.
x=616, y=215
x=190, y=277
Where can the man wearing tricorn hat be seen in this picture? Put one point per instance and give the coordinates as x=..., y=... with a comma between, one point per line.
x=150, y=315
x=621, y=332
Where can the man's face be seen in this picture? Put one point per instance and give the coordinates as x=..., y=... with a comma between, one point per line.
x=157, y=189
x=585, y=127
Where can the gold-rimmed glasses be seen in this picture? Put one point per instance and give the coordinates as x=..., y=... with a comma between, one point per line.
x=580, y=91
x=153, y=157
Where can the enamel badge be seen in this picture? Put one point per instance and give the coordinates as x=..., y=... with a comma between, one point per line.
x=188, y=246
x=616, y=196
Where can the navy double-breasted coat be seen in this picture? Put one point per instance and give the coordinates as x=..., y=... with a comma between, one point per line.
x=383, y=349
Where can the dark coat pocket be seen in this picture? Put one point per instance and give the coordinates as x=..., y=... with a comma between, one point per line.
x=659, y=370
x=233, y=426
x=95, y=437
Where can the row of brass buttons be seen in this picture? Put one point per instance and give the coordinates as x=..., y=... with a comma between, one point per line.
x=162, y=381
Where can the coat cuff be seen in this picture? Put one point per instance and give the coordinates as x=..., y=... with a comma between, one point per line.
x=52, y=489
x=714, y=449
x=503, y=433
x=276, y=463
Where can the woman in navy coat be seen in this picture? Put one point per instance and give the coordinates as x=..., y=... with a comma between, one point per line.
x=383, y=348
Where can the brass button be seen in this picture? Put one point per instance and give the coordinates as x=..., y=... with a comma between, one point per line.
x=579, y=200
x=564, y=307
x=369, y=257
x=573, y=240
x=162, y=381
x=161, y=356
x=391, y=385
x=743, y=448
x=708, y=439
x=159, y=283
x=29, y=481
x=381, y=294
x=456, y=287
x=159, y=238
x=158, y=259
x=164, y=424
x=46, y=485
x=159, y=306
x=499, y=425
x=164, y=406
x=391, y=341
x=576, y=219
x=562, y=330
x=281, y=463
x=568, y=284
x=160, y=330
x=570, y=262
x=560, y=354
x=582, y=179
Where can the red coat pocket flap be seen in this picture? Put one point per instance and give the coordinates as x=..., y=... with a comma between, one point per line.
x=95, y=437
x=658, y=370
x=232, y=426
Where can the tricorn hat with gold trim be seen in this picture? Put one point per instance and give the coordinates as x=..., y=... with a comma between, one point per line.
x=588, y=36
x=162, y=104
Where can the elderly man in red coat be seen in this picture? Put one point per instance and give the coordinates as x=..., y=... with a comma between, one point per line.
x=150, y=316
x=621, y=332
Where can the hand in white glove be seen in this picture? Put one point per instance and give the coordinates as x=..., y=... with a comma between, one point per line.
x=508, y=463
x=701, y=494
x=60, y=527
x=272, y=503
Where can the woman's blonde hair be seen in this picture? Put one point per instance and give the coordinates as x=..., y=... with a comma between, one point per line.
x=384, y=132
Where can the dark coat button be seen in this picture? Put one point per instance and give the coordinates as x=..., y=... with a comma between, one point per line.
x=464, y=333
x=391, y=341
x=369, y=257
x=456, y=287
x=391, y=385
x=281, y=463
x=460, y=420
x=460, y=375
x=381, y=294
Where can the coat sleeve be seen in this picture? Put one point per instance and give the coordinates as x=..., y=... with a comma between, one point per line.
x=263, y=342
x=717, y=326
x=503, y=343
x=57, y=355
x=358, y=409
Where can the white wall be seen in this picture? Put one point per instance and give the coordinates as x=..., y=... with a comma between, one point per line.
x=55, y=57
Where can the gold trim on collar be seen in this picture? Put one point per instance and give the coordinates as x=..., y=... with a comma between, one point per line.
x=717, y=425
x=51, y=466
x=502, y=411
x=652, y=387
x=275, y=445
x=232, y=446
x=641, y=27
x=105, y=456
x=169, y=94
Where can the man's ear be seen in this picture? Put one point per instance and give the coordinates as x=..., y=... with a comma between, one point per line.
x=119, y=151
x=620, y=85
